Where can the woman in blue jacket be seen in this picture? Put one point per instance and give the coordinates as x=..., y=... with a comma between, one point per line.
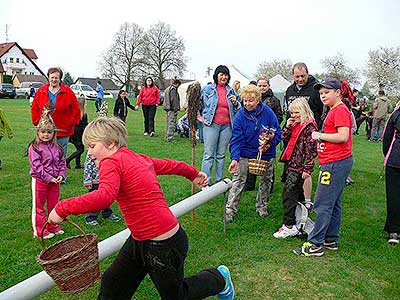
x=220, y=104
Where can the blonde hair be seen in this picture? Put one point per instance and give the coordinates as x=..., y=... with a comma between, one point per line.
x=250, y=91
x=234, y=85
x=107, y=131
x=301, y=105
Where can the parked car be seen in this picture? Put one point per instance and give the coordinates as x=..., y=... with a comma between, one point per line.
x=84, y=91
x=25, y=87
x=108, y=95
x=7, y=90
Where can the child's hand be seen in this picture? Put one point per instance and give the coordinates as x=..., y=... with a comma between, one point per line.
x=233, y=166
x=289, y=122
x=314, y=135
x=54, y=218
x=88, y=186
x=201, y=180
x=137, y=107
x=57, y=179
x=305, y=175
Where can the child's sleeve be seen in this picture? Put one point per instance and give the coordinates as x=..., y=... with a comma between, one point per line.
x=173, y=167
x=310, y=151
x=37, y=170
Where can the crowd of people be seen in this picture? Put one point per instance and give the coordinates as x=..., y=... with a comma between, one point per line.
x=321, y=118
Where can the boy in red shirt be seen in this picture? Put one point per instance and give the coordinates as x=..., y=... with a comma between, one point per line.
x=158, y=245
x=335, y=159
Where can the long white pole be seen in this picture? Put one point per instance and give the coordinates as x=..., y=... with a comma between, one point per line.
x=41, y=282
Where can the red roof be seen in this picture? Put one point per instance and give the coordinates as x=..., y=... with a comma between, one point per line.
x=4, y=47
x=31, y=53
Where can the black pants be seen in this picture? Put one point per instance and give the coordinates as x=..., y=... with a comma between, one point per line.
x=80, y=148
x=164, y=262
x=292, y=193
x=392, y=200
x=149, y=113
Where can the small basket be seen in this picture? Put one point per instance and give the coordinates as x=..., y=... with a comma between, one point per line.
x=258, y=166
x=73, y=263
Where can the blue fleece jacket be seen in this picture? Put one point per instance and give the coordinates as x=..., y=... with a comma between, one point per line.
x=247, y=127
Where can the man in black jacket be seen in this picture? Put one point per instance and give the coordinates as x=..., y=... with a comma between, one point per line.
x=303, y=87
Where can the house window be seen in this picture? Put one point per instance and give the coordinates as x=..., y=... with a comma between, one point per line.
x=17, y=60
x=11, y=60
x=32, y=73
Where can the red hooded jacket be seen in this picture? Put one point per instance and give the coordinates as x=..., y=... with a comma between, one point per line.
x=149, y=96
x=67, y=112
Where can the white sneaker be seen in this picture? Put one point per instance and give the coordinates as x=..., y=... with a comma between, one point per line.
x=59, y=232
x=49, y=236
x=285, y=232
x=145, y=133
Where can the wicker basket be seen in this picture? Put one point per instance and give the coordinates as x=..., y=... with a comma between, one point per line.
x=73, y=263
x=258, y=166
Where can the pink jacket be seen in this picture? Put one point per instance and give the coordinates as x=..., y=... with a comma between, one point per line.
x=149, y=96
x=47, y=161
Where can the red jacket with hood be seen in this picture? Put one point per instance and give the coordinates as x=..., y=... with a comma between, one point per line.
x=67, y=112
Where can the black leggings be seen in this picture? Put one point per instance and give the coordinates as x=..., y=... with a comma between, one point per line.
x=149, y=113
x=392, y=224
x=164, y=262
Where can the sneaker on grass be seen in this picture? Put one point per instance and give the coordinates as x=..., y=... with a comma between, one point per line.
x=59, y=232
x=309, y=249
x=113, y=217
x=285, y=232
x=93, y=223
x=393, y=238
x=48, y=236
x=228, y=293
x=331, y=245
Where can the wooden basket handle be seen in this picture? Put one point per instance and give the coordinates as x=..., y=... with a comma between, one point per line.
x=69, y=221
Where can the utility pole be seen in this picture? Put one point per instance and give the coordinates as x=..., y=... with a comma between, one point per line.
x=6, y=33
x=208, y=71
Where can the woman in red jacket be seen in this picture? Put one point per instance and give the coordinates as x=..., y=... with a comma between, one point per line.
x=149, y=97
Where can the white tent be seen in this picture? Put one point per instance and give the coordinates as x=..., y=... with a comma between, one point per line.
x=235, y=73
x=279, y=86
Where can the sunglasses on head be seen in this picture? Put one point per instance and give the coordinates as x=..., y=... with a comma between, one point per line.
x=46, y=130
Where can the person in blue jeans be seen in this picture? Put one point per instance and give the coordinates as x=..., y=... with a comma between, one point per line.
x=334, y=150
x=220, y=104
x=100, y=95
x=91, y=182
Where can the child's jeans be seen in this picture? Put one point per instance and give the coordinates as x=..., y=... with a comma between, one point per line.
x=292, y=193
x=238, y=183
x=94, y=215
x=328, y=200
x=164, y=262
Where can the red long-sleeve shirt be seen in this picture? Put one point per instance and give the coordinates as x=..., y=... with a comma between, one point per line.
x=149, y=96
x=131, y=179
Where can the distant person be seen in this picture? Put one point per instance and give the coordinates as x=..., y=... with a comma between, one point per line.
x=335, y=158
x=48, y=169
x=5, y=129
x=249, y=127
x=300, y=153
x=391, y=150
x=91, y=182
x=220, y=104
x=236, y=86
x=172, y=106
x=121, y=106
x=182, y=127
x=76, y=138
x=31, y=94
x=380, y=109
x=63, y=106
x=157, y=244
x=149, y=97
x=100, y=95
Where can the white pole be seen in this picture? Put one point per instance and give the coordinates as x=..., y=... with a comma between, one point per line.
x=41, y=282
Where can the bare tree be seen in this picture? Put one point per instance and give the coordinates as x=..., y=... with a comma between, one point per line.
x=383, y=69
x=124, y=57
x=275, y=67
x=164, y=53
x=336, y=67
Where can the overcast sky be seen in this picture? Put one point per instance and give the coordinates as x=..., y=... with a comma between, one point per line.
x=243, y=33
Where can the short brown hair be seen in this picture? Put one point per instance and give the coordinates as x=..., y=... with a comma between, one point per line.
x=107, y=131
x=55, y=70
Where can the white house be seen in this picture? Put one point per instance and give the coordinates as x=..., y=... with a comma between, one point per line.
x=16, y=60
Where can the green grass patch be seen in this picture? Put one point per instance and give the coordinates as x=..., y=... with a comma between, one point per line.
x=365, y=267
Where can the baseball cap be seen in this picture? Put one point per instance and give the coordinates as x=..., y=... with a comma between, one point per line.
x=329, y=83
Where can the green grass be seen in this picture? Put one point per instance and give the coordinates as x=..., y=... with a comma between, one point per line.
x=365, y=267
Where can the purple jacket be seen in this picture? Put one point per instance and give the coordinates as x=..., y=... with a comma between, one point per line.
x=47, y=161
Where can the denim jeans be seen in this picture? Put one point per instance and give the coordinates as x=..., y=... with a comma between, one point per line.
x=98, y=104
x=328, y=200
x=63, y=142
x=216, y=141
x=164, y=262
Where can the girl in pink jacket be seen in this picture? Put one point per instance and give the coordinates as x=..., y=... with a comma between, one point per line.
x=48, y=169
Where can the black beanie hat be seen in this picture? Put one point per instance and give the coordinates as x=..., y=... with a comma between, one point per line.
x=221, y=69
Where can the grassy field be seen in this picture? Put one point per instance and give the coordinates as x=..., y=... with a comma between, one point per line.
x=365, y=267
